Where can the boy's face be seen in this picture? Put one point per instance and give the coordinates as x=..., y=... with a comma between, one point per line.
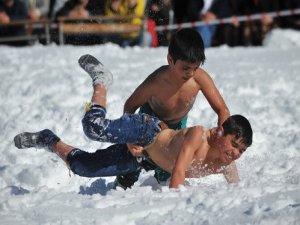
x=183, y=70
x=230, y=148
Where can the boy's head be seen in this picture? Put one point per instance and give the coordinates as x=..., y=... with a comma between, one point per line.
x=187, y=45
x=240, y=127
x=233, y=138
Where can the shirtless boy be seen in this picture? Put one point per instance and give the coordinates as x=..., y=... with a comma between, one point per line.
x=190, y=152
x=170, y=92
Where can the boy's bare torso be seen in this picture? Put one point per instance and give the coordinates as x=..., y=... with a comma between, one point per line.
x=172, y=103
x=165, y=149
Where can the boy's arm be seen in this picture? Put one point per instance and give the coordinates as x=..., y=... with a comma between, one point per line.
x=231, y=174
x=191, y=143
x=137, y=99
x=140, y=96
x=213, y=96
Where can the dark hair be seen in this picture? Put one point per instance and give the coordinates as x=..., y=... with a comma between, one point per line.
x=240, y=127
x=187, y=45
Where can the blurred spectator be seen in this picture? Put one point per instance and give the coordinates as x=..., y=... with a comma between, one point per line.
x=230, y=33
x=193, y=10
x=254, y=31
x=38, y=9
x=187, y=11
x=51, y=9
x=11, y=10
x=81, y=8
x=96, y=7
x=159, y=12
x=74, y=9
x=127, y=8
x=210, y=11
x=290, y=21
x=180, y=10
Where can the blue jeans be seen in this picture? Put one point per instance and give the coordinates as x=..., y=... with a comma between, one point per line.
x=112, y=161
x=137, y=129
x=116, y=159
x=207, y=32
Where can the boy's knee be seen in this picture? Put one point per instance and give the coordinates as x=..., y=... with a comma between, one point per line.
x=75, y=163
x=91, y=122
x=88, y=126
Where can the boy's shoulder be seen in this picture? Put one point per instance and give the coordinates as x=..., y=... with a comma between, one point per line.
x=161, y=70
x=195, y=130
x=201, y=71
x=202, y=76
x=158, y=73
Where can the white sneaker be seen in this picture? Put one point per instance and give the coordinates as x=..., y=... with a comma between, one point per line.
x=96, y=70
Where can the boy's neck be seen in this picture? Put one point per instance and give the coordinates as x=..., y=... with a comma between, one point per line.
x=176, y=83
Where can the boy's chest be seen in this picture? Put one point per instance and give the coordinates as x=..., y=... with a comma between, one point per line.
x=174, y=100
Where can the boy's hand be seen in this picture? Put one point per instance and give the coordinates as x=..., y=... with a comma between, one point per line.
x=135, y=150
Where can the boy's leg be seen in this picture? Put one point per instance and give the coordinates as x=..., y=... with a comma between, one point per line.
x=129, y=128
x=43, y=139
x=112, y=161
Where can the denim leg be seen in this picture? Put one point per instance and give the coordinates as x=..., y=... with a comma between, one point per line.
x=112, y=161
x=130, y=128
x=207, y=32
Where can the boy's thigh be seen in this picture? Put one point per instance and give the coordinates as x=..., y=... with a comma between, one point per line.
x=112, y=161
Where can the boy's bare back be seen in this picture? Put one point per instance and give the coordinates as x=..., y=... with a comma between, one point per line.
x=166, y=148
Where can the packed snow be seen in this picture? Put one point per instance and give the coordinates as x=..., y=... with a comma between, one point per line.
x=43, y=87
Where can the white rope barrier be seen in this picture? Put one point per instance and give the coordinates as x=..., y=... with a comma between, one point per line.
x=283, y=13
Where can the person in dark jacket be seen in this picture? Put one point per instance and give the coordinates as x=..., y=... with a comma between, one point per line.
x=230, y=33
x=82, y=9
x=290, y=21
x=91, y=7
x=11, y=10
x=159, y=12
x=254, y=31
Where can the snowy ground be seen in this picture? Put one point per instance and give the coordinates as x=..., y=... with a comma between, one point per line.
x=43, y=87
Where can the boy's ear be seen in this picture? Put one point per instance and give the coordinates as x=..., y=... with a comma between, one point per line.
x=219, y=132
x=170, y=59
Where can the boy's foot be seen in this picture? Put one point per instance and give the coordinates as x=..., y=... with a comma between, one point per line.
x=96, y=70
x=42, y=139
